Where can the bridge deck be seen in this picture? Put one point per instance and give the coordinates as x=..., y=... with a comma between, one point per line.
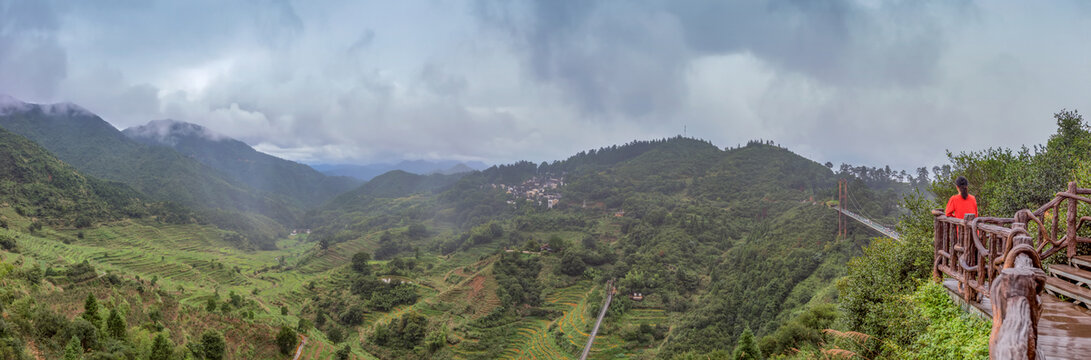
x=871, y=224
x=1064, y=330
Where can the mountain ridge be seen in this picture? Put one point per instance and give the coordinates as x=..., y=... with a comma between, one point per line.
x=302, y=184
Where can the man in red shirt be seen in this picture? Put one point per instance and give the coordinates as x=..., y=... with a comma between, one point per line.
x=962, y=203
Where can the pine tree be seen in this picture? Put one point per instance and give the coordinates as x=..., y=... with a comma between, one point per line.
x=162, y=349
x=73, y=351
x=746, y=348
x=115, y=325
x=90, y=310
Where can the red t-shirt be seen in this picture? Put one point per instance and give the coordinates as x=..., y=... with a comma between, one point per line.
x=957, y=207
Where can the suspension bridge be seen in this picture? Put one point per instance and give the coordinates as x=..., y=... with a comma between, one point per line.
x=845, y=198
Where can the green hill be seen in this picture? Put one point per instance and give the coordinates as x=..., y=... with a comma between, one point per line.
x=299, y=183
x=717, y=240
x=39, y=185
x=94, y=147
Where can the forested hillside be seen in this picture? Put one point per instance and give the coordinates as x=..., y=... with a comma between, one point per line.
x=301, y=185
x=91, y=145
x=36, y=184
x=716, y=240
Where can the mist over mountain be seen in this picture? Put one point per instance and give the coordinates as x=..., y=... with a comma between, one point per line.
x=300, y=183
x=419, y=167
x=92, y=145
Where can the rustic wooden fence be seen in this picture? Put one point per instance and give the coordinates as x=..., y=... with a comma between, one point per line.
x=1001, y=258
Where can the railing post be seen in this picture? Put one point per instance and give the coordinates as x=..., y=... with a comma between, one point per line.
x=969, y=251
x=1016, y=310
x=937, y=243
x=1070, y=236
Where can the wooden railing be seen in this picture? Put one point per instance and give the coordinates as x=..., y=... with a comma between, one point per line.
x=980, y=251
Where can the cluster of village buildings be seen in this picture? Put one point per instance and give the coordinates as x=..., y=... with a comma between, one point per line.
x=542, y=190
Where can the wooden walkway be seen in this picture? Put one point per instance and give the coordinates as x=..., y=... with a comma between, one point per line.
x=993, y=262
x=1064, y=330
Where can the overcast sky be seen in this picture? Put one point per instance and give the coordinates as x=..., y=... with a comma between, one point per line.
x=862, y=82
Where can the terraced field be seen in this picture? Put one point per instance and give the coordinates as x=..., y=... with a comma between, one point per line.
x=532, y=341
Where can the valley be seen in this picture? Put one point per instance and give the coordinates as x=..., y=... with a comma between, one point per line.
x=508, y=262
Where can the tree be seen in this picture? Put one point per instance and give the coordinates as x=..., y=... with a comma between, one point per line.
x=572, y=264
x=162, y=349
x=73, y=351
x=746, y=348
x=335, y=334
x=360, y=263
x=115, y=325
x=210, y=306
x=416, y=231
x=87, y=332
x=354, y=315
x=212, y=345
x=303, y=325
x=90, y=310
x=344, y=353
x=286, y=340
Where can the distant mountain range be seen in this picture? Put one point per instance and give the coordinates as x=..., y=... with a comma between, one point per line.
x=420, y=167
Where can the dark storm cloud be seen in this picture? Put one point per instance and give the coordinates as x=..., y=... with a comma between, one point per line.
x=865, y=81
x=628, y=57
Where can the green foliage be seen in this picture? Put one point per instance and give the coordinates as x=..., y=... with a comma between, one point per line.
x=162, y=348
x=387, y=296
x=30, y=177
x=360, y=263
x=951, y=333
x=303, y=325
x=212, y=345
x=746, y=348
x=286, y=340
x=7, y=243
x=518, y=279
x=90, y=310
x=343, y=353
x=73, y=351
x=804, y=330
x=872, y=296
x=86, y=331
x=336, y=334
x=354, y=315
x=571, y=264
x=115, y=325
x=81, y=272
x=404, y=332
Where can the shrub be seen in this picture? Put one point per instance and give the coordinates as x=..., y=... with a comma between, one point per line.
x=286, y=340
